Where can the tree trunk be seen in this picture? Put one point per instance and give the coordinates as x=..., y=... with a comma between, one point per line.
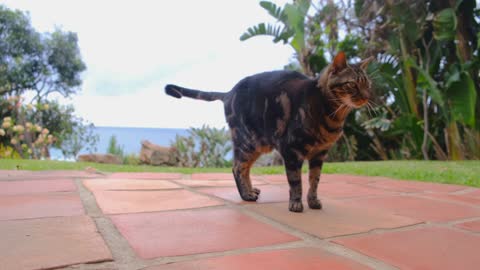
x=454, y=143
x=425, y=126
x=408, y=79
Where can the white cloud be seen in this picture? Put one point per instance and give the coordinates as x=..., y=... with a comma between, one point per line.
x=133, y=48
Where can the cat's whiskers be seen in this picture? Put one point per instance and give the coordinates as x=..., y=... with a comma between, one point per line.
x=337, y=110
x=369, y=111
x=369, y=105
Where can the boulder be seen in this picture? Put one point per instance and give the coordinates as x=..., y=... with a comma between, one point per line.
x=100, y=158
x=271, y=159
x=156, y=155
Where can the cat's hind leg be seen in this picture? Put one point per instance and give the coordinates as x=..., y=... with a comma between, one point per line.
x=244, y=157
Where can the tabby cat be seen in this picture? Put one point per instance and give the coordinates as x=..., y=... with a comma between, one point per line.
x=298, y=116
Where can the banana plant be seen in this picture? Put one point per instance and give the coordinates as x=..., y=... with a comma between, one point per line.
x=459, y=91
x=289, y=29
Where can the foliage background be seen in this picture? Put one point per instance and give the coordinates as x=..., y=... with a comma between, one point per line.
x=426, y=77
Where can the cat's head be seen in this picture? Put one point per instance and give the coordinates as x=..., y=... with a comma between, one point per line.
x=347, y=83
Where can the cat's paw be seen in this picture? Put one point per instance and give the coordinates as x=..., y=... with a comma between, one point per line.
x=295, y=206
x=249, y=196
x=256, y=190
x=314, y=203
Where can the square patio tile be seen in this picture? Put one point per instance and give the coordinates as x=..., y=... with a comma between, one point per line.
x=415, y=186
x=116, y=202
x=282, y=179
x=473, y=226
x=128, y=184
x=335, y=219
x=40, y=205
x=461, y=198
x=418, y=208
x=36, y=186
x=220, y=176
x=473, y=194
x=270, y=193
x=213, y=183
x=425, y=248
x=48, y=175
x=346, y=178
x=179, y=233
x=146, y=175
x=287, y=259
x=50, y=243
x=339, y=190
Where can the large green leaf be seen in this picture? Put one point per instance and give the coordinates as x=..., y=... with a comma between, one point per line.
x=462, y=97
x=429, y=82
x=274, y=10
x=296, y=14
x=279, y=32
x=445, y=25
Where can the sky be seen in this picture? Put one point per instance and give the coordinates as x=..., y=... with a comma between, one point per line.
x=132, y=49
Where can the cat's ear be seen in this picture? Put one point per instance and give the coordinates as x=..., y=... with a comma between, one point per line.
x=364, y=63
x=339, y=62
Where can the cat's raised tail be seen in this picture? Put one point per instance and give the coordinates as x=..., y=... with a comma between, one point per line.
x=178, y=92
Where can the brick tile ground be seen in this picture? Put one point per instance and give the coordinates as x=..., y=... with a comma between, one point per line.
x=147, y=175
x=454, y=198
x=473, y=226
x=36, y=186
x=414, y=186
x=52, y=219
x=347, y=190
x=116, y=202
x=220, y=176
x=127, y=184
x=213, y=183
x=269, y=193
x=425, y=248
x=418, y=208
x=50, y=242
x=334, y=220
x=195, y=231
x=40, y=205
x=298, y=259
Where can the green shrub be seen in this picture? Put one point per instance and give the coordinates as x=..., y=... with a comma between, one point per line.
x=131, y=159
x=114, y=148
x=203, y=147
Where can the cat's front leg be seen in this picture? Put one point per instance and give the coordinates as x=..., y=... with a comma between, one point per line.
x=293, y=166
x=315, y=167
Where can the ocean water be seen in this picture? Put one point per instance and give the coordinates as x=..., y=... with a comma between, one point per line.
x=129, y=138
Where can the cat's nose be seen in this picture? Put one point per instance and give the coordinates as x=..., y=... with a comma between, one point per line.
x=366, y=94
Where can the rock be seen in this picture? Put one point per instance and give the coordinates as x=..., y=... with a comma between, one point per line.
x=271, y=159
x=100, y=158
x=157, y=155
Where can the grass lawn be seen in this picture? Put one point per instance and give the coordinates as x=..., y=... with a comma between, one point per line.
x=462, y=172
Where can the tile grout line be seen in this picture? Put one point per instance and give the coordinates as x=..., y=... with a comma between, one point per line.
x=123, y=255
x=307, y=239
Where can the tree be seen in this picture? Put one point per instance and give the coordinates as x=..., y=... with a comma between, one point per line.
x=43, y=64
x=31, y=61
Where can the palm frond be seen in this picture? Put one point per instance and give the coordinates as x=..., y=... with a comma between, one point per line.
x=274, y=10
x=280, y=33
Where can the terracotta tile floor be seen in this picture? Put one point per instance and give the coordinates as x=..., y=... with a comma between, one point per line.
x=154, y=221
x=422, y=248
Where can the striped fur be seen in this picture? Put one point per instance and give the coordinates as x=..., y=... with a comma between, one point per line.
x=298, y=116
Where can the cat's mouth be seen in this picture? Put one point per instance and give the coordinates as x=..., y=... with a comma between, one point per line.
x=354, y=102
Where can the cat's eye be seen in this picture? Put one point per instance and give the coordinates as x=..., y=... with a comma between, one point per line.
x=352, y=85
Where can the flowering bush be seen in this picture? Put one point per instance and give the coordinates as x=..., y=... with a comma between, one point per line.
x=20, y=137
